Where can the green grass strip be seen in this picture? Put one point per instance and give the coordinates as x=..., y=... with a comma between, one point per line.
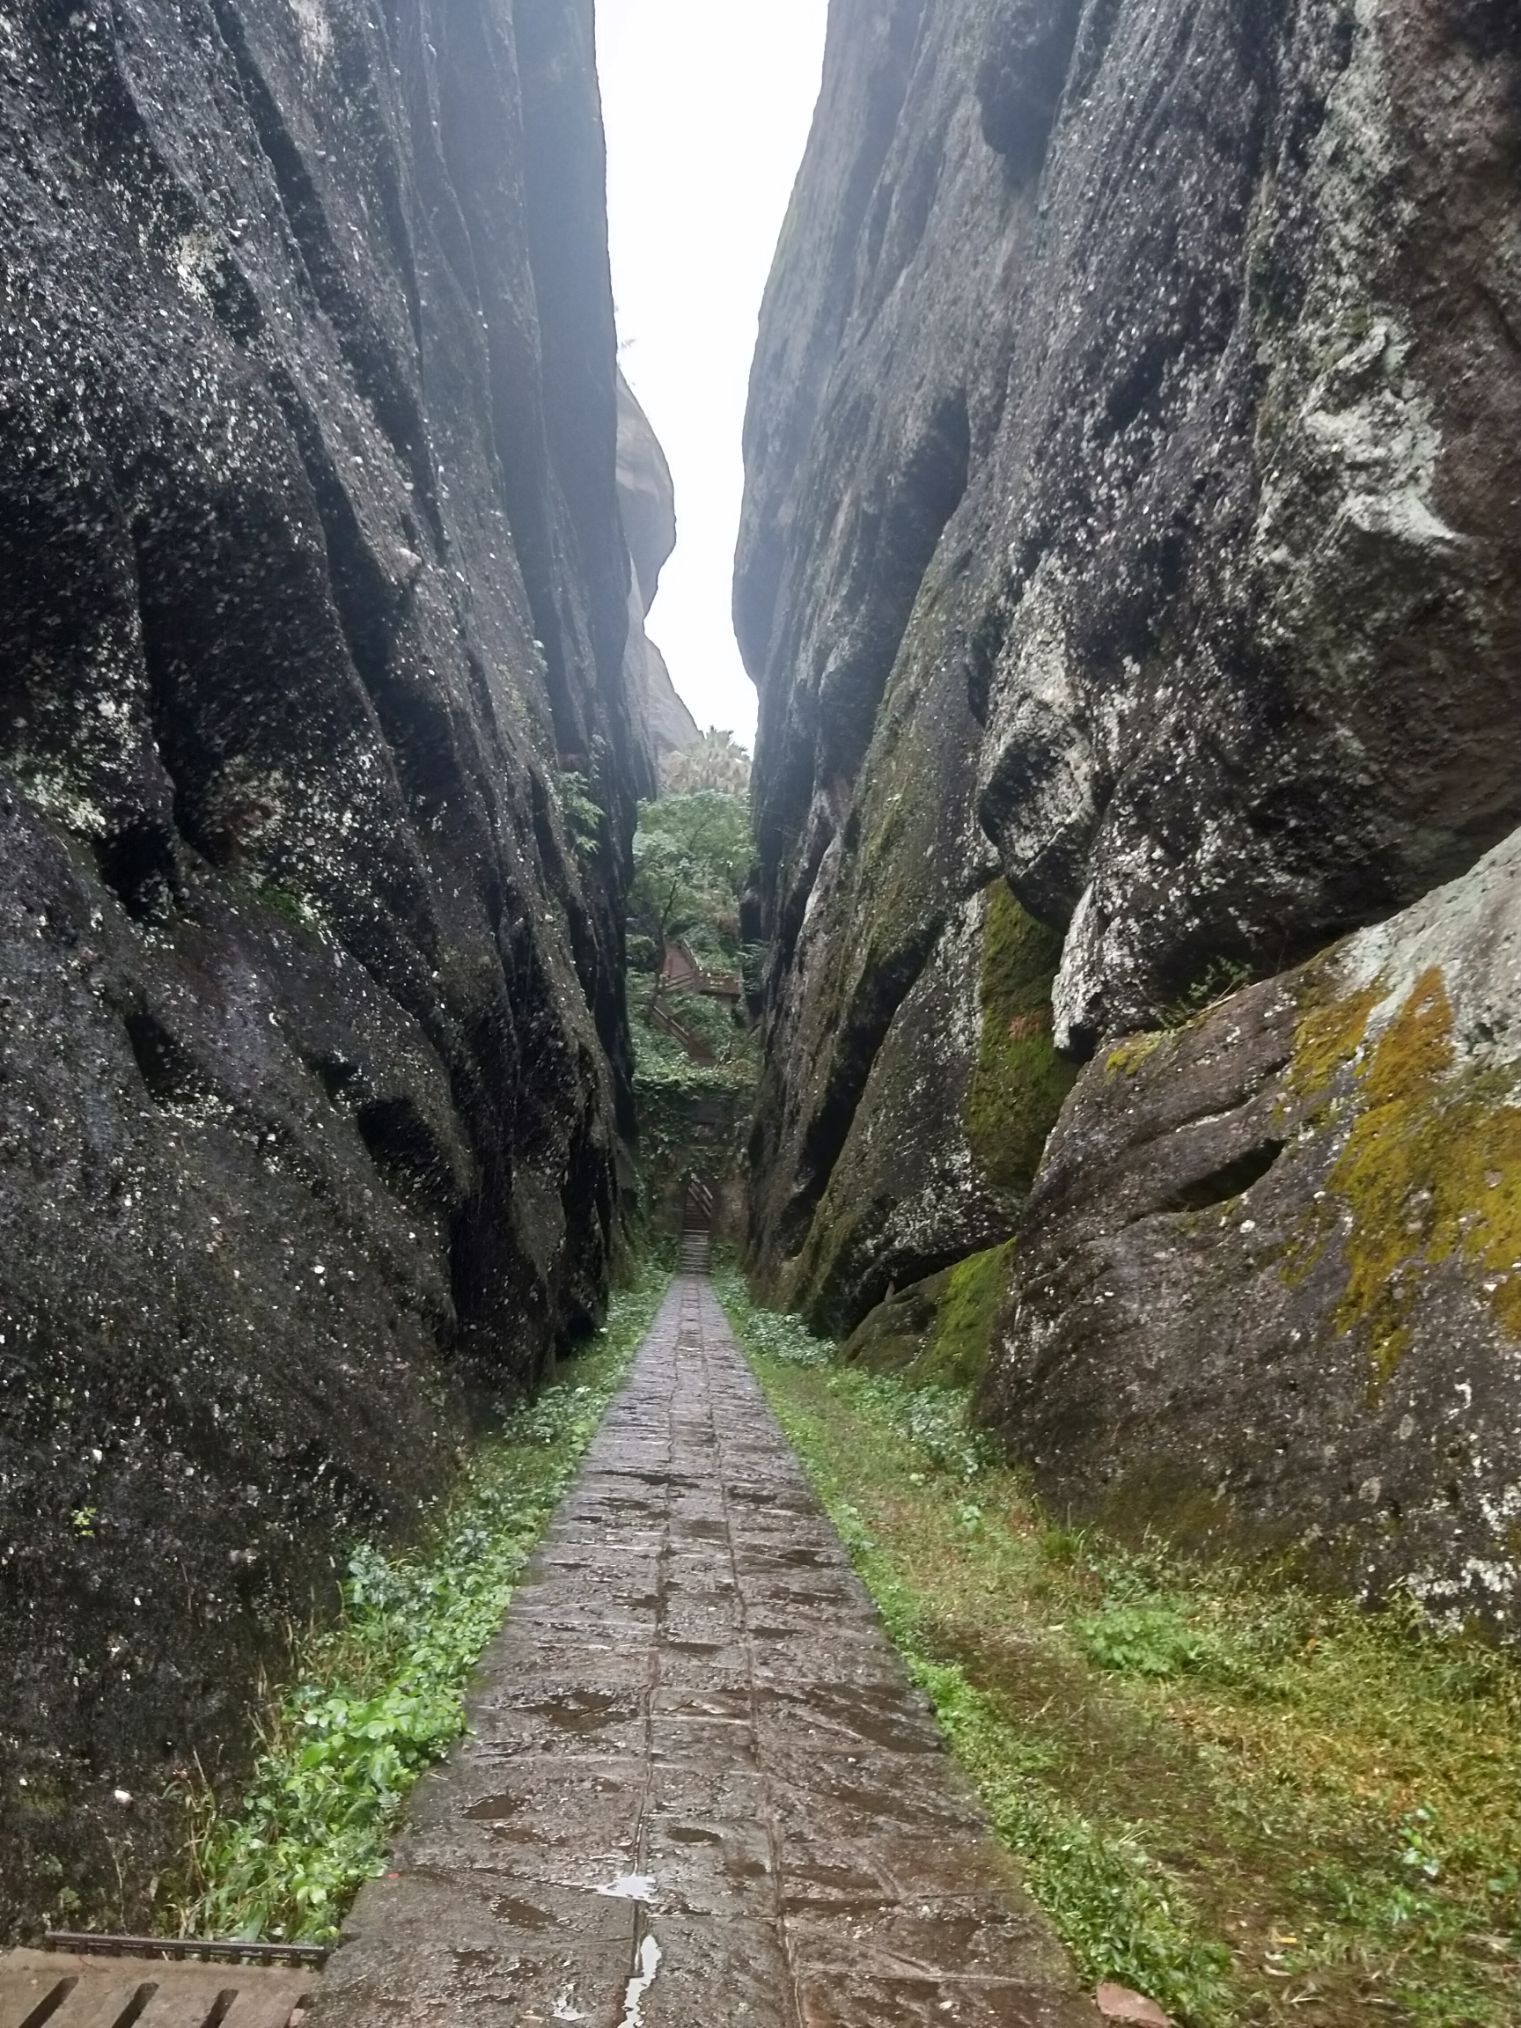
x=1254, y=1803
x=379, y=1696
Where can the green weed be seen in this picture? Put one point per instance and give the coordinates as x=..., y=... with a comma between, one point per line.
x=378, y=1698
x=1220, y=978
x=583, y=815
x=1152, y=1639
x=1254, y=1803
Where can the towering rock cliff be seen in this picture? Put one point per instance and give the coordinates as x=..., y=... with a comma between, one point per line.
x=313, y=593
x=648, y=500
x=1131, y=570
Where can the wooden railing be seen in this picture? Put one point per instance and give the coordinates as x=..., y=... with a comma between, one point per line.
x=694, y=1045
x=682, y=974
x=701, y=1206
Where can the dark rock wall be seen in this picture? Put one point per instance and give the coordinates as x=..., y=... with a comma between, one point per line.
x=313, y=1064
x=1131, y=522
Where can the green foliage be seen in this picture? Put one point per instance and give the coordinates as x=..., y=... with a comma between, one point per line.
x=378, y=1697
x=1117, y=1909
x=710, y=1020
x=1220, y=978
x=1253, y=1803
x=935, y=1420
x=584, y=816
x=715, y=760
x=773, y=1334
x=692, y=1087
x=691, y=857
x=1149, y=1639
x=286, y=903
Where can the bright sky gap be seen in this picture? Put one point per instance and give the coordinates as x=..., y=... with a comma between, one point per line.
x=707, y=105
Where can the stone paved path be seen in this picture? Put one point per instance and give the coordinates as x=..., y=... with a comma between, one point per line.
x=698, y=1790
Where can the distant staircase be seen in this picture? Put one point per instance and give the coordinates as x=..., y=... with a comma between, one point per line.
x=688, y=1038
x=696, y=1254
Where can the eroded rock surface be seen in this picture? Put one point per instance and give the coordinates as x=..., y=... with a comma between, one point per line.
x=1138, y=387
x=312, y=1058
x=1131, y=520
x=1267, y=1290
x=647, y=498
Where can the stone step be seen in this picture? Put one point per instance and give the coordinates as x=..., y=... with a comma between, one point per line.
x=696, y=1254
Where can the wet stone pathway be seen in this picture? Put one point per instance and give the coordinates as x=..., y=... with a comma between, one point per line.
x=697, y=1790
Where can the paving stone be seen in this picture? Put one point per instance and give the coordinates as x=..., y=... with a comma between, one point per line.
x=825, y=2000
x=544, y=1816
x=694, y=1762
x=902, y=1937
x=720, y=1974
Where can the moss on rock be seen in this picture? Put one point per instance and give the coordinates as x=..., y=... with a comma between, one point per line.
x=1330, y=1033
x=957, y=1355
x=939, y=1333
x=1127, y=1055
x=1431, y=1167
x=1020, y=1082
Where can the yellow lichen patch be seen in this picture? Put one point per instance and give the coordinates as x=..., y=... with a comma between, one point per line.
x=1329, y=1035
x=1127, y=1055
x=1488, y=1168
x=1387, y=1170
x=1431, y=1171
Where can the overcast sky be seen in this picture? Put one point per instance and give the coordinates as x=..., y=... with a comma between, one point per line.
x=707, y=104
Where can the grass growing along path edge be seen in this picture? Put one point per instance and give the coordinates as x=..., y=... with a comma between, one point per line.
x=376, y=1698
x=1255, y=1804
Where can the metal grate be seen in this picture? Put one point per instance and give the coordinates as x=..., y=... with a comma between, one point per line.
x=86, y=1989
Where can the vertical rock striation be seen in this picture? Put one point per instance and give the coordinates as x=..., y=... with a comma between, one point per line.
x=648, y=501
x=1131, y=571
x=313, y=1065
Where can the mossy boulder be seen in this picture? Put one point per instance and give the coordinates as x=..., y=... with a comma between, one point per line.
x=874, y=1075
x=1267, y=1287
x=939, y=1332
x=948, y=1131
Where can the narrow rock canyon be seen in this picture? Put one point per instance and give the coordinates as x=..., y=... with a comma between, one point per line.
x=1118, y=1029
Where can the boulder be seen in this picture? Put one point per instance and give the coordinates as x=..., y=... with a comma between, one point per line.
x=1131, y=431
x=1267, y=1289
x=647, y=502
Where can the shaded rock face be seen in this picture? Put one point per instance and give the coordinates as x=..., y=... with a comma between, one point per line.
x=937, y=1332
x=1268, y=1287
x=647, y=499
x=1130, y=524
x=313, y=1065
x=1172, y=353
